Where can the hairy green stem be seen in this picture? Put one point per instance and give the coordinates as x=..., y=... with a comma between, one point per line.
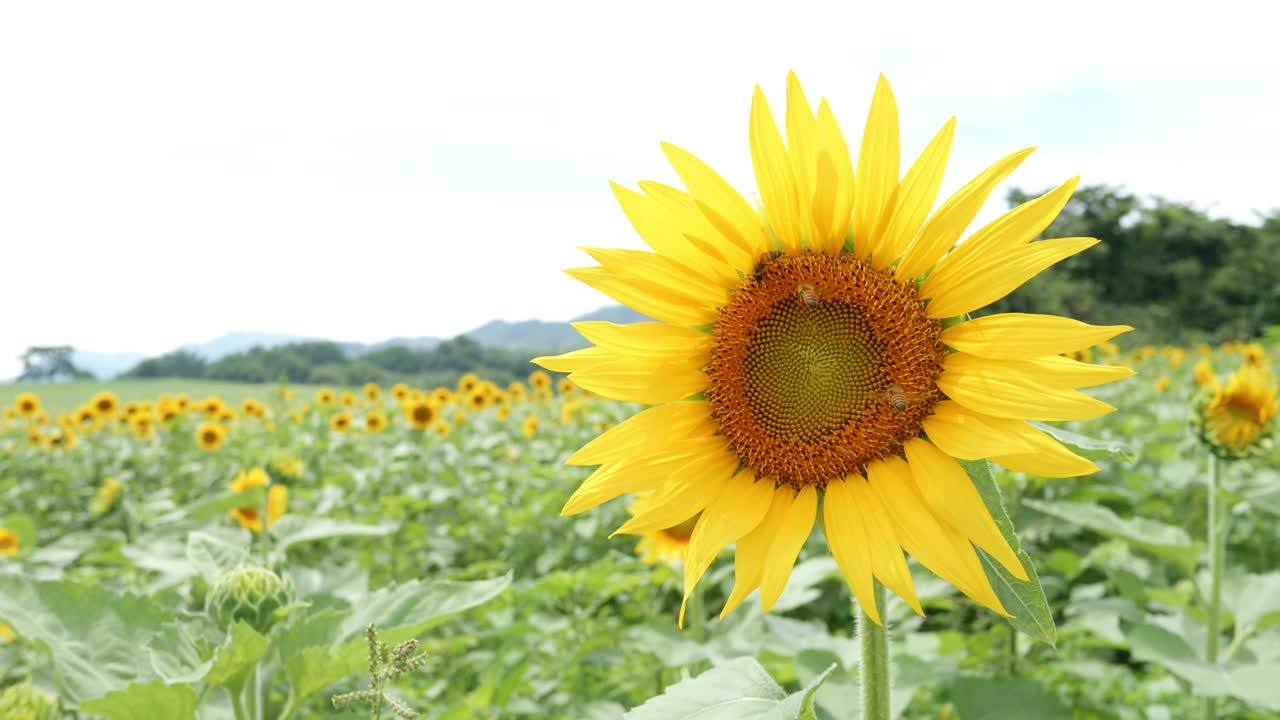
x=1217, y=551
x=1013, y=651
x=874, y=671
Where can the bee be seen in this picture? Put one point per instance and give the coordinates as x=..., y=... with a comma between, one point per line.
x=808, y=294
x=898, y=398
x=763, y=264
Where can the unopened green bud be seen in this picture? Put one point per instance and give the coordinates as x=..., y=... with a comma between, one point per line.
x=26, y=702
x=251, y=593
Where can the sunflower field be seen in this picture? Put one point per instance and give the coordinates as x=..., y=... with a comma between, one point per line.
x=820, y=484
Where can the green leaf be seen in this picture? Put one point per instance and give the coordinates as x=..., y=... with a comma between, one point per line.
x=736, y=690
x=155, y=701
x=1254, y=600
x=1097, y=446
x=294, y=529
x=95, y=638
x=221, y=505
x=213, y=556
x=1024, y=600
x=324, y=648
x=1005, y=699
x=244, y=647
x=1163, y=541
x=1251, y=682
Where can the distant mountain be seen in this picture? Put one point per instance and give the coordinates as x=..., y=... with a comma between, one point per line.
x=235, y=342
x=105, y=365
x=620, y=314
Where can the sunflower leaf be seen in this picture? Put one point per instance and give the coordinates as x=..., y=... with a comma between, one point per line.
x=1025, y=600
x=1096, y=446
x=736, y=690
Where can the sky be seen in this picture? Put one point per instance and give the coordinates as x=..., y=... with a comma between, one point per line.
x=170, y=172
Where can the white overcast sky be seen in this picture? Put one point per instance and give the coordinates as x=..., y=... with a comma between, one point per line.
x=173, y=171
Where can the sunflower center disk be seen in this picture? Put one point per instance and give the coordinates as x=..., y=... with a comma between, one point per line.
x=819, y=366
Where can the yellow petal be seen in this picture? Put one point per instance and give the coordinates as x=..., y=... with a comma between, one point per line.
x=1012, y=229
x=950, y=494
x=931, y=541
x=739, y=510
x=946, y=225
x=617, y=479
x=718, y=202
x=645, y=338
x=649, y=384
x=646, y=297
x=1022, y=336
x=832, y=202
x=877, y=173
x=1013, y=389
x=678, y=283
x=968, y=435
x=574, y=360
x=913, y=199
x=887, y=562
x=646, y=432
x=656, y=228
x=752, y=552
x=850, y=546
x=1074, y=373
x=773, y=173
x=998, y=275
x=690, y=489
x=802, y=146
x=793, y=531
x=1049, y=458
x=680, y=209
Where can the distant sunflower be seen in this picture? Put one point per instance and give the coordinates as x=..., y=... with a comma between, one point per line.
x=6, y=633
x=441, y=427
x=818, y=347
x=516, y=390
x=340, y=422
x=529, y=427
x=1237, y=420
x=211, y=435
x=9, y=543
x=375, y=422
x=539, y=380
x=399, y=391
x=105, y=404
x=440, y=397
x=565, y=386
x=467, y=383
x=503, y=412
x=1161, y=383
x=419, y=413
x=477, y=401
x=1204, y=374
x=459, y=418
x=347, y=398
x=143, y=427
x=212, y=406
x=666, y=545
x=253, y=408
x=27, y=404
x=277, y=500
x=85, y=417
x=372, y=392
x=325, y=396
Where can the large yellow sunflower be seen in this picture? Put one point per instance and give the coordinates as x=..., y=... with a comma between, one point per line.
x=818, y=347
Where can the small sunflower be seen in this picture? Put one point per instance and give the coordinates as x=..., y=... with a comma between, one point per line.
x=459, y=418
x=375, y=422
x=1161, y=383
x=1203, y=373
x=325, y=396
x=340, y=422
x=565, y=386
x=347, y=399
x=516, y=390
x=477, y=401
x=666, y=545
x=1254, y=354
x=1237, y=420
x=399, y=391
x=6, y=633
x=441, y=427
x=212, y=406
x=27, y=404
x=467, y=383
x=86, y=417
x=277, y=500
x=503, y=412
x=253, y=408
x=9, y=543
x=419, y=413
x=529, y=427
x=539, y=380
x=143, y=427
x=61, y=438
x=819, y=347
x=211, y=435
x=105, y=404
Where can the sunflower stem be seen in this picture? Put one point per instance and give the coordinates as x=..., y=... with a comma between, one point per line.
x=1217, y=551
x=265, y=519
x=874, y=670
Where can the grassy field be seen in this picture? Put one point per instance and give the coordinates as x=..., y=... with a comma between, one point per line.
x=65, y=397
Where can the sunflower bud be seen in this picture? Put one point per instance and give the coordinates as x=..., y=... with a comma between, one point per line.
x=26, y=702
x=251, y=593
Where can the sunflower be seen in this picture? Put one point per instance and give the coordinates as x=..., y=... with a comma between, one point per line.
x=105, y=403
x=565, y=386
x=1254, y=354
x=467, y=383
x=1161, y=384
x=1237, y=419
x=441, y=427
x=399, y=391
x=9, y=543
x=375, y=422
x=503, y=412
x=819, y=348
x=516, y=390
x=460, y=418
x=253, y=408
x=211, y=435
x=477, y=400
x=143, y=427
x=85, y=417
x=212, y=406
x=665, y=545
x=347, y=398
x=529, y=427
x=1204, y=374
x=419, y=413
x=340, y=422
x=372, y=392
x=27, y=404
x=61, y=439
x=6, y=633
x=277, y=499
x=539, y=380
x=325, y=396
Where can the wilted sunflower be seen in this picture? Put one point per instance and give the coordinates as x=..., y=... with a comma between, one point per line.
x=27, y=404
x=819, y=347
x=375, y=422
x=1237, y=420
x=211, y=435
x=9, y=543
x=419, y=413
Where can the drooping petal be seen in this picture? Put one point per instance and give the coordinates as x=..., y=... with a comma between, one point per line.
x=1049, y=458
x=1022, y=336
x=619, y=478
x=850, y=545
x=912, y=199
x=965, y=434
x=793, y=531
x=687, y=492
x=740, y=509
x=877, y=173
x=648, y=431
x=773, y=173
x=752, y=552
x=887, y=562
x=998, y=275
x=1013, y=389
x=950, y=494
x=947, y=224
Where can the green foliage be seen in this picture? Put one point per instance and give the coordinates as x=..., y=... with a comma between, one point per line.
x=737, y=690
x=249, y=594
